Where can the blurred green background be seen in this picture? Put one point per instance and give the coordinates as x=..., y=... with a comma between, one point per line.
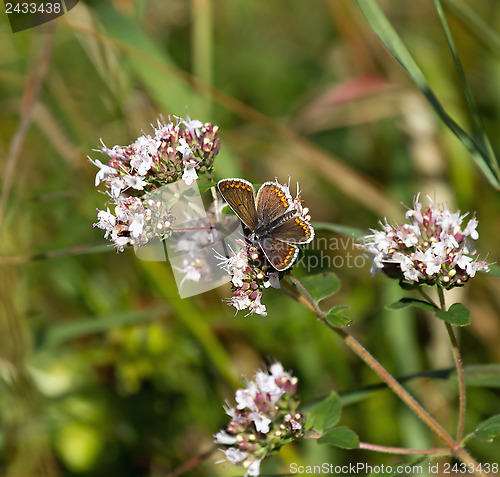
x=103, y=370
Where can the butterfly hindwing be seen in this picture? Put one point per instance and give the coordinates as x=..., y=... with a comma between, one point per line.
x=240, y=196
x=281, y=255
x=295, y=230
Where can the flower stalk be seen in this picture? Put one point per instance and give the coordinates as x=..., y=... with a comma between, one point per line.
x=458, y=361
x=462, y=401
x=402, y=451
x=461, y=382
x=401, y=392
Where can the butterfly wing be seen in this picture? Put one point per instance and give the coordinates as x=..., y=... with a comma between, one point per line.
x=240, y=196
x=273, y=201
x=281, y=255
x=295, y=230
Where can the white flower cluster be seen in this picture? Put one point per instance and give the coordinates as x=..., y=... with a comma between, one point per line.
x=248, y=279
x=178, y=150
x=264, y=419
x=432, y=248
x=135, y=221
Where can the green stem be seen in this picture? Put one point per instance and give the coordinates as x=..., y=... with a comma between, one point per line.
x=358, y=348
x=462, y=401
x=461, y=382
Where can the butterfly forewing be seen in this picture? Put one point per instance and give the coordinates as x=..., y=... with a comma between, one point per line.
x=293, y=231
x=240, y=196
x=281, y=255
x=273, y=202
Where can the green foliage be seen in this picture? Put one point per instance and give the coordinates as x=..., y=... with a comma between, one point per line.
x=342, y=437
x=336, y=316
x=206, y=186
x=104, y=370
x=82, y=327
x=386, y=33
x=325, y=414
x=457, y=315
x=488, y=429
x=483, y=375
x=407, y=302
x=322, y=285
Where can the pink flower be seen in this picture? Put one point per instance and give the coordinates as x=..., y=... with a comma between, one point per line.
x=134, y=173
x=432, y=248
x=264, y=419
x=248, y=278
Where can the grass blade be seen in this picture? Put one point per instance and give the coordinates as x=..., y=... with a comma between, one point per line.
x=391, y=40
x=493, y=164
x=482, y=31
x=169, y=91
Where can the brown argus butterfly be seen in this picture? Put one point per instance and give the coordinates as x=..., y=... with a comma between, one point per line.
x=277, y=224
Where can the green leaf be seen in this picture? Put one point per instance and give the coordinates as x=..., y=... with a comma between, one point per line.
x=321, y=285
x=489, y=429
x=205, y=186
x=391, y=40
x=341, y=437
x=336, y=316
x=353, y=232
x=407, y=285
x=406, y=302
x=325, y=414
x=482, y=375
x=457, y=315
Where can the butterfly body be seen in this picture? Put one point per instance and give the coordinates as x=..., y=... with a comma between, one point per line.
x=272, y=216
